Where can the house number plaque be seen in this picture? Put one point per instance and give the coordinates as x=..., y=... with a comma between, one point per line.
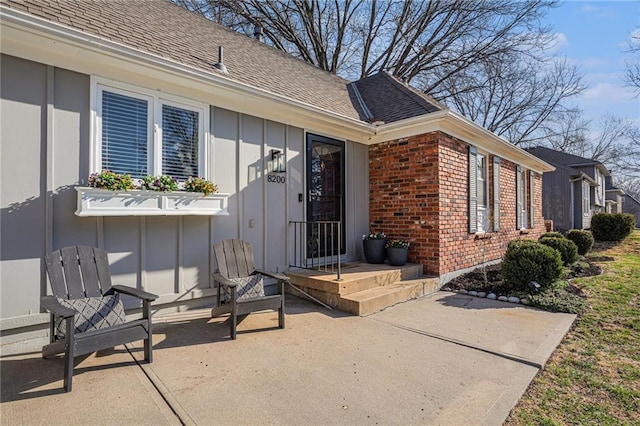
x=276, y=178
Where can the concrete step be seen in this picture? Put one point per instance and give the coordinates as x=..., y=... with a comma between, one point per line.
x=355, y=279
x=375, y=299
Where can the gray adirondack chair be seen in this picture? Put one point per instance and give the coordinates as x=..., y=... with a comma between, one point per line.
x=241, y=285
x=86, y=311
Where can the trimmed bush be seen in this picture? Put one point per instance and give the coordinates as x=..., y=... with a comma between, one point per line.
x=582, y=238
x=612, y=226
x=527, y=260
x=551, y=235
x=568, y=249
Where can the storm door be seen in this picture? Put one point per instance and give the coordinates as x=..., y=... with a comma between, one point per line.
x=325, y=196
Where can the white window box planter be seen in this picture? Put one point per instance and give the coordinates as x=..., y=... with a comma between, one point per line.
x=102, y=202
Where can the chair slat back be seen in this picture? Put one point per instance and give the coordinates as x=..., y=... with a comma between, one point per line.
x=77, y=272
x=235, y=258
x=89, y=271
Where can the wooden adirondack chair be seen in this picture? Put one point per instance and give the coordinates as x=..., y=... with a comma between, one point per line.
x=86, y=311
x=241, y=285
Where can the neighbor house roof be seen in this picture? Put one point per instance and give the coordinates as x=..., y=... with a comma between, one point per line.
x=559, y=158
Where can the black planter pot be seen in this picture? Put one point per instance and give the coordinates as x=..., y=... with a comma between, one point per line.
x=374, y=250
x=397, y=256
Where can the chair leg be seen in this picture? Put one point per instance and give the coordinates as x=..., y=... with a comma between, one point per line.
x=281, y=310
x=233, y=319
x=69, y=354
x=148, y=346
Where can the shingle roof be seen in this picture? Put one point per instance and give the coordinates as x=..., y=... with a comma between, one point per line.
x=561, y=158
x=174, y=33
x=390, y=100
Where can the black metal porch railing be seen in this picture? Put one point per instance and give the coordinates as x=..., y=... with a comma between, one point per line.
x=317, y=245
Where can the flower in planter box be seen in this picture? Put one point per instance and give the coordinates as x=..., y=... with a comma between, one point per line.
x=397, y=244
x=197, y=184
x=162, y=183
x=374, y=236
x=107, y=179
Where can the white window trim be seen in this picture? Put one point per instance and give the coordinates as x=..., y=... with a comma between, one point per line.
x=156, y=99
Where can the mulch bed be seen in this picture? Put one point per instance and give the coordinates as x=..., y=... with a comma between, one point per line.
x=475, y=280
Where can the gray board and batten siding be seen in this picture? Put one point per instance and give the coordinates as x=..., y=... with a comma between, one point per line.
x=45, y=153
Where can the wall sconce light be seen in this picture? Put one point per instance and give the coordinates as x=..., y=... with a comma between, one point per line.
x=278, y=163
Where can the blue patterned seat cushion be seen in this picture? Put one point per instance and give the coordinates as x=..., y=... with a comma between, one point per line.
x=248, y=288
x=94, y=313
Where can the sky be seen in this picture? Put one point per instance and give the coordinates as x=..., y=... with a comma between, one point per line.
x=592, y=34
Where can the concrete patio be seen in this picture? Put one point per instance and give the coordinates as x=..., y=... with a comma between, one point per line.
x=440, y=359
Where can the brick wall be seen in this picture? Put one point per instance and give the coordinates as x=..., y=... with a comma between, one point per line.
x=418, y=191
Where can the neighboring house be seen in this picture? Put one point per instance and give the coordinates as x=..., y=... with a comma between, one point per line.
x=575, y=191
x=632, y=206
x=613, y=196
x=140, y=87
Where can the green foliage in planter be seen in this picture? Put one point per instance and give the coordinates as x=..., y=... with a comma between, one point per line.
x=397, y=244
x=527, y=260
x=107, y=179
x=551, y=235
x=162, y=183
x=196, y=184
x=582, y=238
x=567, y=248
x=612, y=226
x=559, y=297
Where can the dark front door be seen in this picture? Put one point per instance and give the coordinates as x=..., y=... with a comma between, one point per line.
x=325, y=194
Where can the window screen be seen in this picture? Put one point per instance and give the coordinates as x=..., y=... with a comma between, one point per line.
x=180, y=135
x=124, y=134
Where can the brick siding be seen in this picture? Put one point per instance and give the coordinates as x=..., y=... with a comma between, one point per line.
x=419, y=192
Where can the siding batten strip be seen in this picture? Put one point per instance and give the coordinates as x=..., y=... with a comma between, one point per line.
x=47, y=190
x=179, y=282
x=142, y=269
x=265, y=225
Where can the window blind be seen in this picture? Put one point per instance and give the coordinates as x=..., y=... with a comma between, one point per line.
x=124, y=134
x=180, y=135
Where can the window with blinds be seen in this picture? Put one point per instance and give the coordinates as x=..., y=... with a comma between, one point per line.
x=141, y=132
x=125, y=134
x=180, y=136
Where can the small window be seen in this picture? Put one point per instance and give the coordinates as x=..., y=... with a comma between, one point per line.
x=140, y=133
x=482, y=194
x=521, y=198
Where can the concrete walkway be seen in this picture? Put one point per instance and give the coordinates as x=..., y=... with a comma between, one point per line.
x=442, y=359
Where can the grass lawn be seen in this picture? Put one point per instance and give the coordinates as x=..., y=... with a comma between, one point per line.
x=593, y=377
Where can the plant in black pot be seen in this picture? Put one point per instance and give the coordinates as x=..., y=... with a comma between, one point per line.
x=397, y=252
x=373, y=244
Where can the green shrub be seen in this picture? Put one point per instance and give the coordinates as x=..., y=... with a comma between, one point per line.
x=612, y=226
x=527, y=260
x=551, y=235
x=568, y=249
x=582, y=238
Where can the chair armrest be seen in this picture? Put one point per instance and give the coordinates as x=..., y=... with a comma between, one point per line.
x=275, y=275
x=51, y=304
x=222, y=280
x=134, y=292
